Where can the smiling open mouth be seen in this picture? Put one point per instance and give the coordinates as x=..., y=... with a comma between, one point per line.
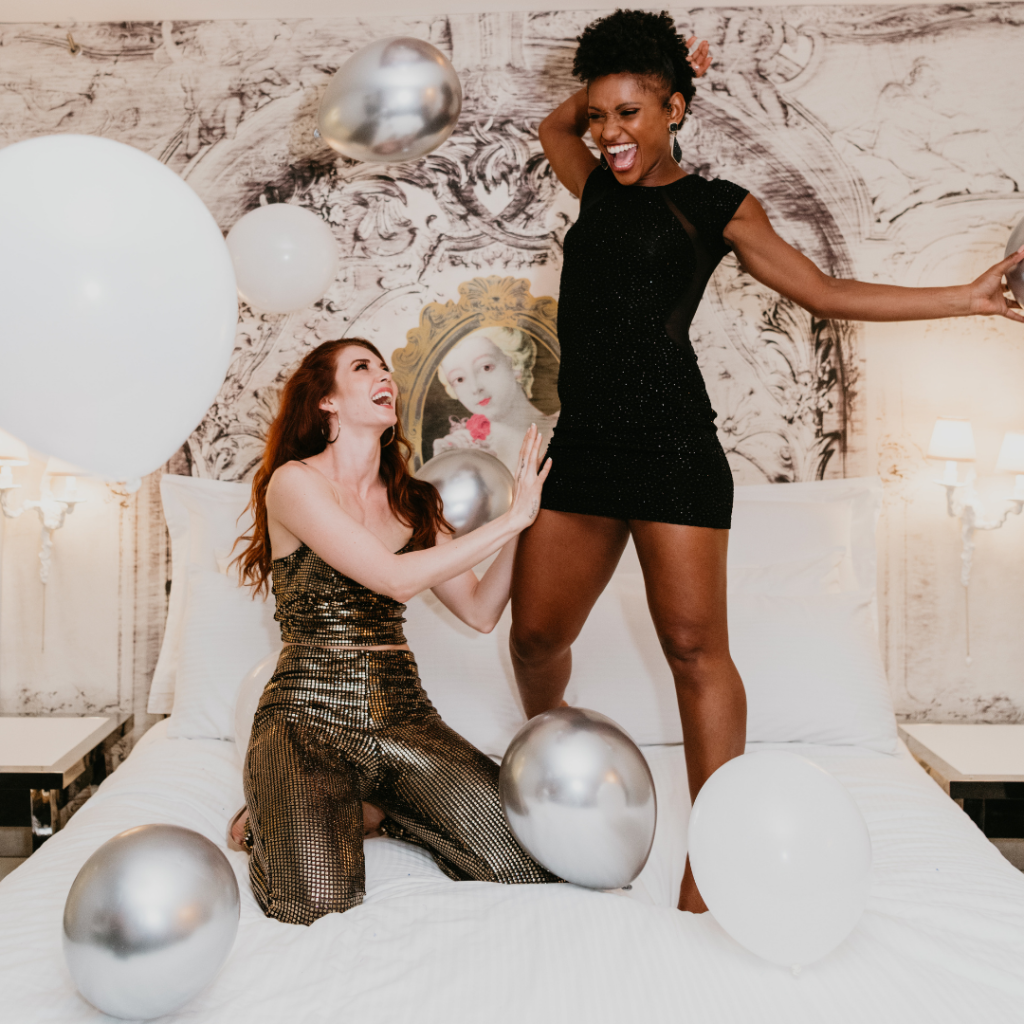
x=622, y=157
x=384, y=398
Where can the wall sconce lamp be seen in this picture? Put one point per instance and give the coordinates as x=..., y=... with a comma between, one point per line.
x=53, y=510
x=953, y=442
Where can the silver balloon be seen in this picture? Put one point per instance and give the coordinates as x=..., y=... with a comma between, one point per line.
x=395, y=99
x=1015, y=278
x=149, y=921
x=475, y=486
x=579, y=797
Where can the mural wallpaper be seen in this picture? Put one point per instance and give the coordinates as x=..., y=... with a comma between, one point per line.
x=846, y=122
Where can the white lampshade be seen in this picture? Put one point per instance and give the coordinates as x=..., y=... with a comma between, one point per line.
x=952, y=440
x=12, y=451
x=1011, y=454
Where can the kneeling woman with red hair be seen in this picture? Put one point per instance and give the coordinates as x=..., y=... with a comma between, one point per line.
x=347, y=535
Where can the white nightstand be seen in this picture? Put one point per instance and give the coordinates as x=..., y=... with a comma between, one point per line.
x=43, y=762
x=982, y=768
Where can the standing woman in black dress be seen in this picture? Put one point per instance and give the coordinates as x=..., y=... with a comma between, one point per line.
x=635, y=451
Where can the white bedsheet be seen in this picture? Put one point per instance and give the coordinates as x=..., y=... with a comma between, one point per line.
x=942, y=939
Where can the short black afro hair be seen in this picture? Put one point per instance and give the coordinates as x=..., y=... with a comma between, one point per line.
x=635, y=43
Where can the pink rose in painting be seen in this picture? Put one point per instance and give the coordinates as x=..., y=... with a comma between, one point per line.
x=479, y=427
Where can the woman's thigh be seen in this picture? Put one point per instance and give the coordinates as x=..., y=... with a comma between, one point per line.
x=305, y=817
x=563, y=563
x=684, y=571
x=442, y=793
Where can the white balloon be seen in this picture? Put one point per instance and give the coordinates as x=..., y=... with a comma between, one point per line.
x=249, y=693
x=781, y=855
x=117, y=304
x=285, y=257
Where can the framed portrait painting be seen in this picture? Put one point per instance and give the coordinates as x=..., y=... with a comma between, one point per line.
x=477, y=372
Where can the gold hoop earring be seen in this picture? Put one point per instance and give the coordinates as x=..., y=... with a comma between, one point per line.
x=391, y=438
x=325, y=432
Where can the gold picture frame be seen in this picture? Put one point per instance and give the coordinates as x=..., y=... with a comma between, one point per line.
x=483, y=302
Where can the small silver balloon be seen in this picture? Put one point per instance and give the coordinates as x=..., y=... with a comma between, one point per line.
x=395, y=99
x=579, y=797
x=149, y=921
x=1015, y=278
x=475, y=486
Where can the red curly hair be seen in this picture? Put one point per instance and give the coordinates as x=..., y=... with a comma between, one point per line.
x=300, y=430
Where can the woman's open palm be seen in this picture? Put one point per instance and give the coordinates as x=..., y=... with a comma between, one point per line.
x=529, y=479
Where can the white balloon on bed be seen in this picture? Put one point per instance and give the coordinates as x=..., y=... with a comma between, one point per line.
x=117, y=304
x=781, y=855
x=579, y=796
x=285, y=257
x=249, y=692
x=150, y=920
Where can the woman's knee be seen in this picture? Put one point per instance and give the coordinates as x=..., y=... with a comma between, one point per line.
x=539, y=640
x=691, y=649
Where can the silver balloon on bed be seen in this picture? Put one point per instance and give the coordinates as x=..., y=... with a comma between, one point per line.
x=150, y=920
x=475, y=486
x=395, y=99
x=580, y=797
x=1015, y=278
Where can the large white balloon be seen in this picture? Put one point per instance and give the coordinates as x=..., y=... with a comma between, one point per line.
x=249, y=693
x=117, y=304
x=285, y=257
x=781, y=855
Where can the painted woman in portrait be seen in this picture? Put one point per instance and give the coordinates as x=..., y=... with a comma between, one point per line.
x=490, y=371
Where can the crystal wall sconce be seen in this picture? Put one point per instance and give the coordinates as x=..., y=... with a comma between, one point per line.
x=952, y=441
x=53, y=509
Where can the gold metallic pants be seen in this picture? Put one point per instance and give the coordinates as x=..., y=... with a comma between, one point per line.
x=337, y=727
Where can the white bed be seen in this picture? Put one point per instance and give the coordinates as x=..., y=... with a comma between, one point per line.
x=942, y=938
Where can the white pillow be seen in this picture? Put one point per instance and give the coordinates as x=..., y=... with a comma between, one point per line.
x=203, y=521
x=812, y=670
x=810, y=665
x=224, y=630
x=864, y=495
x=618, y=666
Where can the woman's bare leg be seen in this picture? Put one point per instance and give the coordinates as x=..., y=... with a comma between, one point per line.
x=563, y=562
x=684, y=573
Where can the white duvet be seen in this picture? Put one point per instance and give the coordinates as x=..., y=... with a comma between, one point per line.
x=942, y=939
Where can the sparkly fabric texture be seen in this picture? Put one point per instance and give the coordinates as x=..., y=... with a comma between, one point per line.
x=636, y=437
x=316, y=604
x=336, y=727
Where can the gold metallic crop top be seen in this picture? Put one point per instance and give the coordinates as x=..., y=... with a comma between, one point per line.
x=318, y=605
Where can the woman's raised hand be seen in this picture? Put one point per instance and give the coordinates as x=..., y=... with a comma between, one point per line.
x=530, y=477
x=987, y=298
x=700, y=58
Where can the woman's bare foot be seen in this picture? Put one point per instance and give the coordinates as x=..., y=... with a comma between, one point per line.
x=689, y=898
x=372, y=817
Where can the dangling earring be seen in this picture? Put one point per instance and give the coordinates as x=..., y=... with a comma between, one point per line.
x=677, y=153
x=391, y=438
x=604, y=163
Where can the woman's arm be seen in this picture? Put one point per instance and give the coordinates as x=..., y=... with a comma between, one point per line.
x=777, y=264
x=302, y=501
x=480, y=602
x=561, y=132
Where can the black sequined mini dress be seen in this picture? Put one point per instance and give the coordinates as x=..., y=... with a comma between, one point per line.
x=335, y=727
x=636, y=435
